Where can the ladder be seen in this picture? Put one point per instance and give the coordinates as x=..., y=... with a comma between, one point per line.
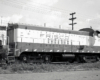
x=11, y=56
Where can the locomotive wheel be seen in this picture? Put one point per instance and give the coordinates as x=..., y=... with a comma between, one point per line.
x=85, y=59
x=78, y=59
x=71, y=61
x=24, y=58
x=97, y=58
x=47, y=58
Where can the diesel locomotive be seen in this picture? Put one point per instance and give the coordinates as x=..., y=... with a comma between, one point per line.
x=31, y=43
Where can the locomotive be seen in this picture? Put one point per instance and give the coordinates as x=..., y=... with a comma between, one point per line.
x=41, y=44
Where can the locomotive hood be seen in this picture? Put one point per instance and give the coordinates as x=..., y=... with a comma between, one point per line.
x=90, y=30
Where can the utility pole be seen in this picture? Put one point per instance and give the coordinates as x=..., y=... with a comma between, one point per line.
x=73, y=18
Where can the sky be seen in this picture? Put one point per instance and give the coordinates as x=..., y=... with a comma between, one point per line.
x=53, y=13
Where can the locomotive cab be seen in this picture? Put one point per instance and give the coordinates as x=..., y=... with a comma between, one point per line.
x=97, y=33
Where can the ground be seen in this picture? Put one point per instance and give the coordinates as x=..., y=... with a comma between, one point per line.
x=68, y=75
x=67, y=71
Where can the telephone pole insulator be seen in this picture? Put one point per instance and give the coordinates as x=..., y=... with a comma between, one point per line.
x=72, y=19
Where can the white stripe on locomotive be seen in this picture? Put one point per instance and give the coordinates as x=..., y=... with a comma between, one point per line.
x=47, y=37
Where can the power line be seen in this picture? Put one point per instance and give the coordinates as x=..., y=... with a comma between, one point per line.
x=55, y=8
x=32, y=8
x=46, y=7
